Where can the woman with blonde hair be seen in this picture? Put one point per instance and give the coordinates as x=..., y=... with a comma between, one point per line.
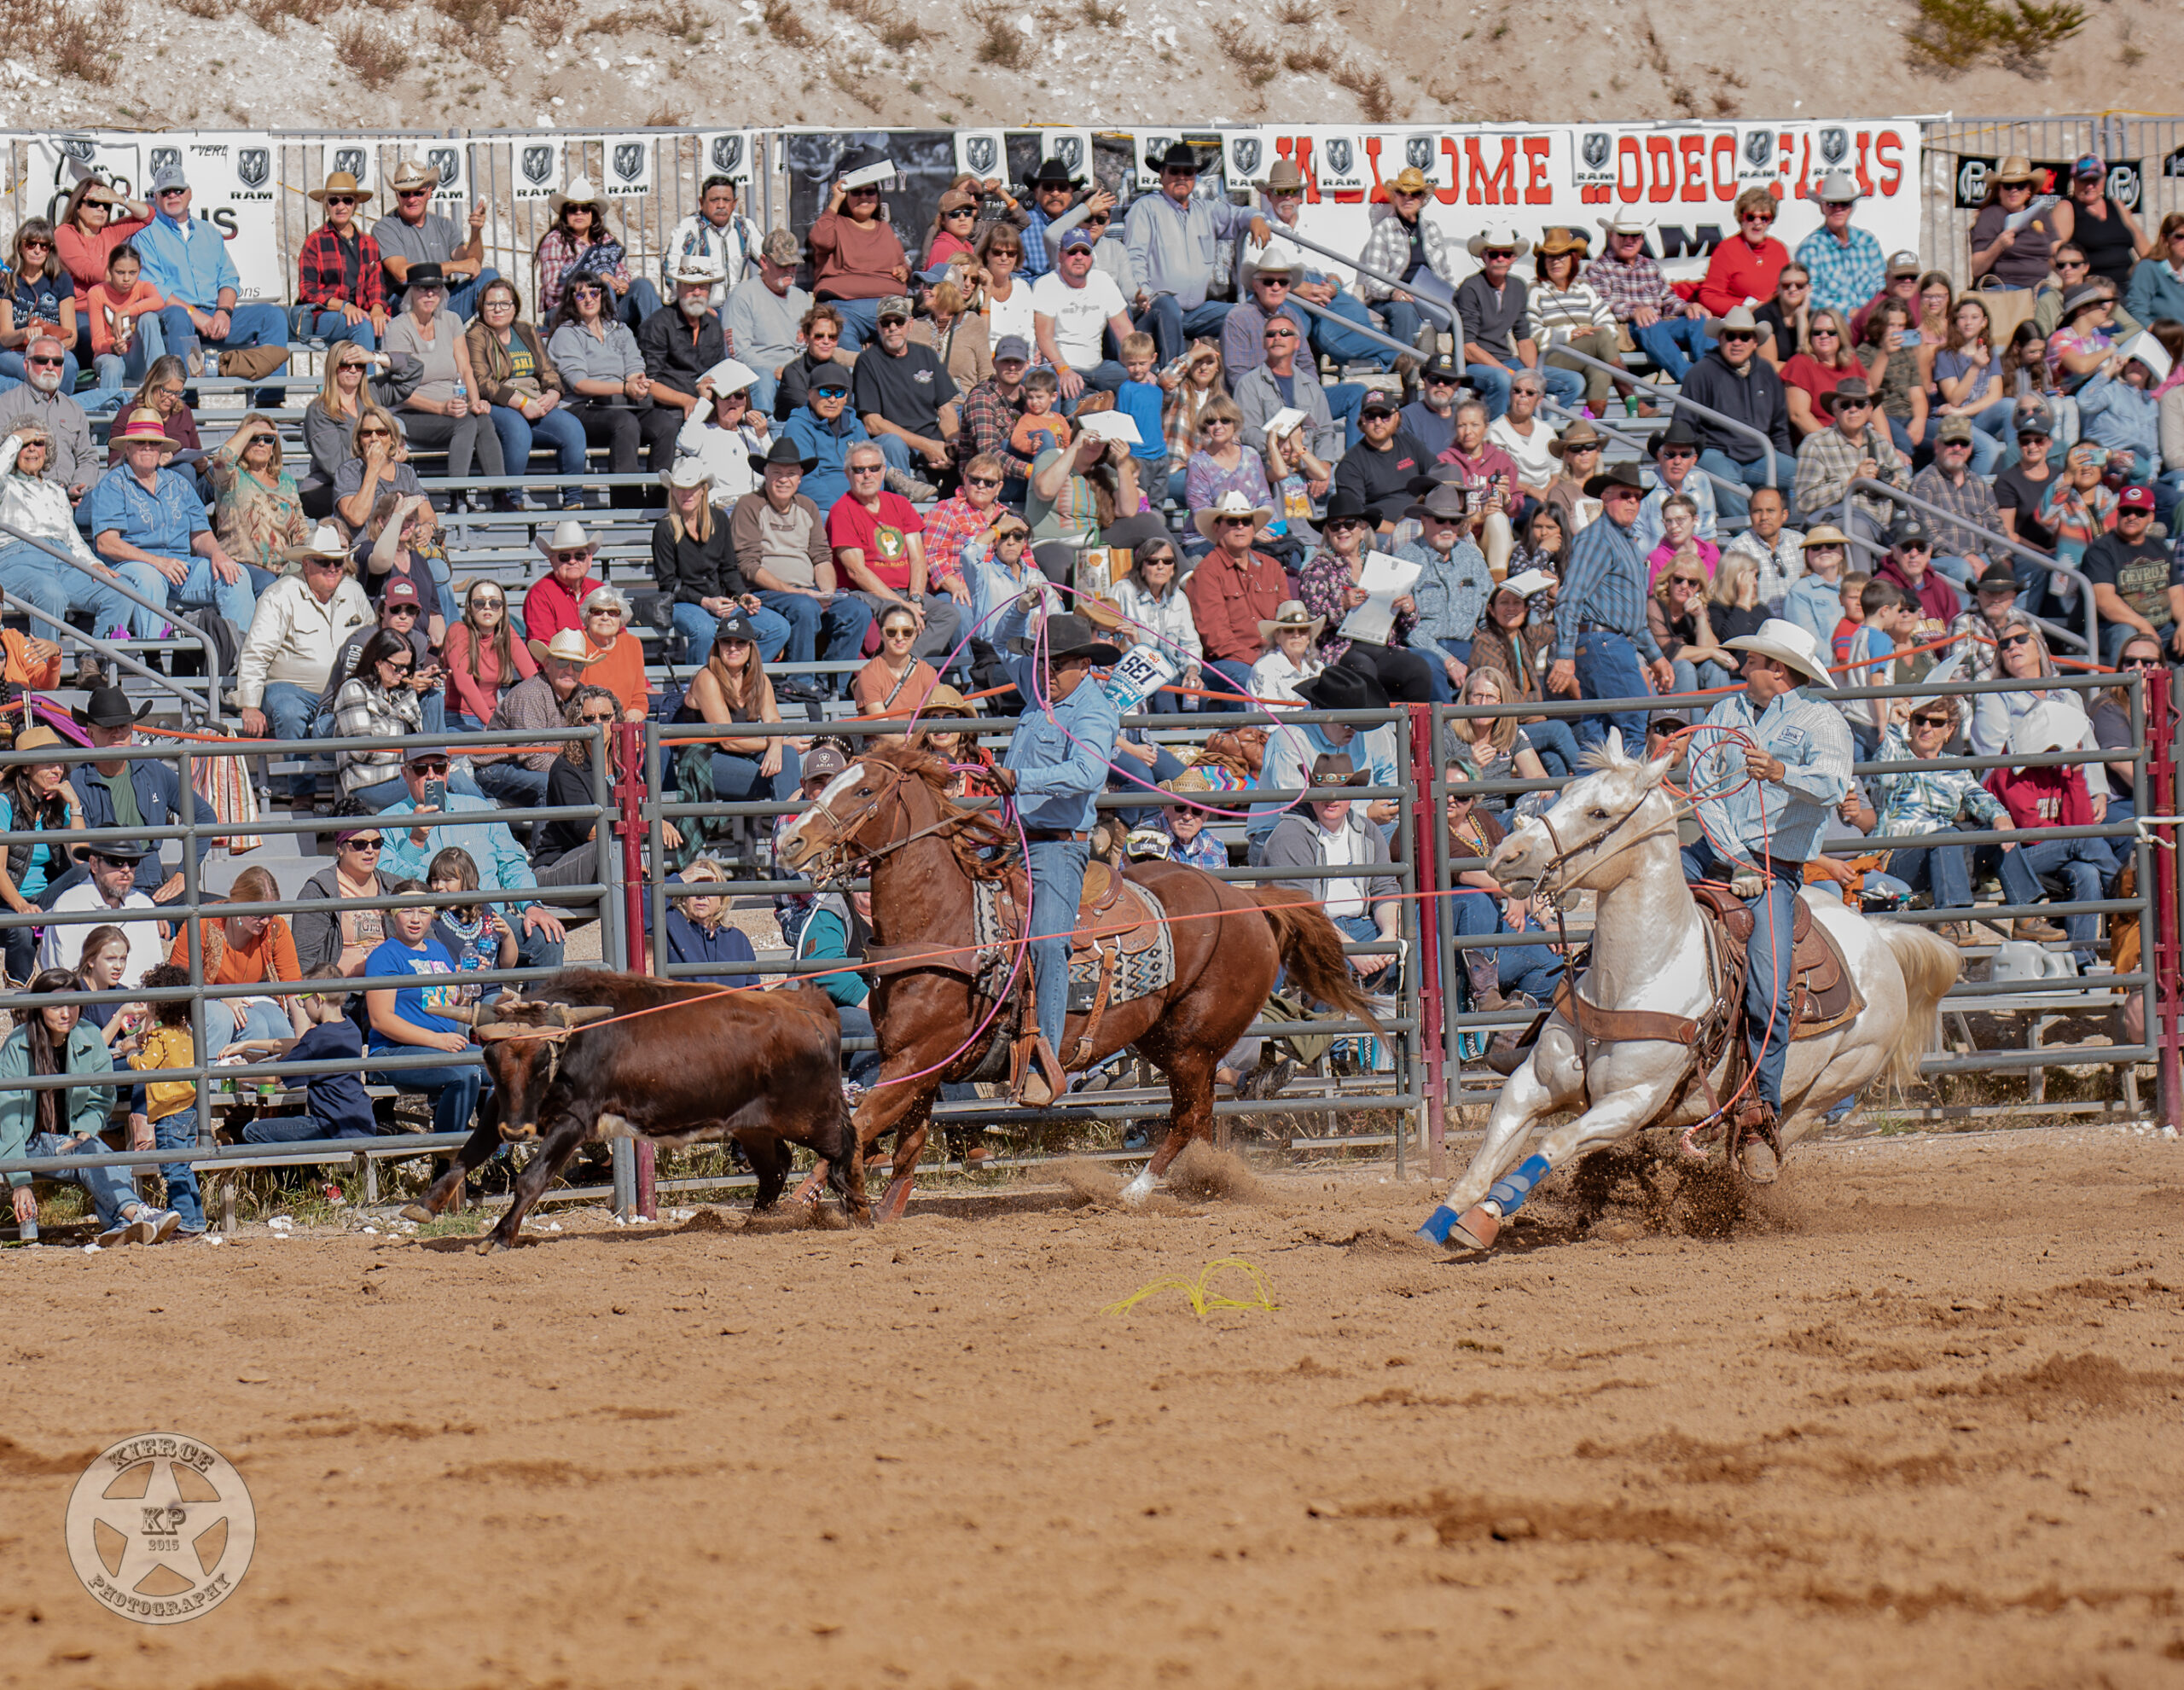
x=1004, y=296
x=330, y=421
x=957, y=335
x=1676, y=614
x=1184, y=404
x=1500, y=748
x=377, y=462
x=1221, y=465
x=1734, y=607
x=1828, y=359
x=257, y=511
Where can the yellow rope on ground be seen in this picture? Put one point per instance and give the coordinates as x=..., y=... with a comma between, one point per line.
x=1201, y=1299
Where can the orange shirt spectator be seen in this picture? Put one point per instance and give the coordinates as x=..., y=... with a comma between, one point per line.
x=142, y=301
x=30, y=663
x=619, y=663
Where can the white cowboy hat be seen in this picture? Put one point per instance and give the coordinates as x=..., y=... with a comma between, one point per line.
x=324, y=544
x=1111, y=425
x=1501, y=236
x=1623, y=222
x=1279, y=257
x=580, y=192
x=2150, y=352
x=1739, y=318
x=414, y=173
x=1231, y=503
x=569, y=646
x=686, y=472
x=730, y=375
x=697, y=267
x=2049, y=725
x=1787, y=643
x=1838, y=185
x=569, y=537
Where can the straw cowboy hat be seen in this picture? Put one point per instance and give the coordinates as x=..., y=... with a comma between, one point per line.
x=1499, y=236
x=1616, y=475
x=686, y=472
x=341, y=183
x=1231, y=503
x=1827, y=534
x=1578, y=433
x=1559, y=240
x=145, y=424
x=1284, y=177
x=945, y=700
x=411, y=173
x=695, y=270
x=569, y=646
x=324, y=546
x=1291, y=614
x=1740, y=320
x=2016, y=168
x=568, y=535
x=1787, y=643
x=1410, y=180
x=580, y=192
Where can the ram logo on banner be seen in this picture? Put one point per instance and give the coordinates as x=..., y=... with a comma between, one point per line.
x=357, y=160
x=1338, y=163
x=1073, y=146
x=1757, y=159
x=628, y=166
x=981, y=152
x=1594, y=166
x=58, y=163
x=731, y=152
x=231, y=182
x=451, y=164
x=537, y=170
x=1248, y=156
x=1151, y=148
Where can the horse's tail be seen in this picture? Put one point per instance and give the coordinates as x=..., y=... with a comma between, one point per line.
x=1311, y=951
x=1930, y=964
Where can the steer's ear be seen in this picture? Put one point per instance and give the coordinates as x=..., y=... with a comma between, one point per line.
x=582, y=1015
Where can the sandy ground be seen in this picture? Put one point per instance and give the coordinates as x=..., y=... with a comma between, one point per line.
x=1914, y=1420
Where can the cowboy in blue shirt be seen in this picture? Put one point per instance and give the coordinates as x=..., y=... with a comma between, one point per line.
x=1056, y=765
x=1170, y=238
x=1787, y=783
x=187, y=260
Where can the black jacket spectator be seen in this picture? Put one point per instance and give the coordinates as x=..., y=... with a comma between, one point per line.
x=677, y=350
x=1753, y=395
x=1382, y=479
x=796, y=382
x=695, y=570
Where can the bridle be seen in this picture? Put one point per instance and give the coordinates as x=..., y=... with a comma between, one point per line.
x=841, y=851
x=1563, y=854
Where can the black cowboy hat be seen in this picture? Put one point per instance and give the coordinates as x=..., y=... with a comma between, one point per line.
x=121, y=850
x=1070, y=635
x=1679, y=432
x=1338, y=686
x=107, y=707
x=783, y=450
x=1347, y=502
x=1616, y=475
x=1181, y=155
x=1053, y=173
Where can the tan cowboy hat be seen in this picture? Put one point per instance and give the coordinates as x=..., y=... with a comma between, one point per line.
x=1492, y=236
x=413, y=173
x=1827, y=534
x=569, y=646
x=1412, y=180
x=341, y=183
x=1560, y=239
x=1578, y=433
x=945, y=700
x=1231, y=503
x=324, y=546
x=1739, y=318
x=1787, y=643
x=1291, y=614
x=2013, y=168
x=1283, y=178
x=145, y=424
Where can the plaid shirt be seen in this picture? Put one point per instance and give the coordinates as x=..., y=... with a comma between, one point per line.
x=322, y=281
x=1827, y=459
x=1844, y=275
x=1628, y=287
x=1974, y=503
x=1975, y=650
x=949, y=526
x=1604, y=586
x=1929, y=801
x=990, y=417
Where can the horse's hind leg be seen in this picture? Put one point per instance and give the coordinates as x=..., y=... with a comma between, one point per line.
x=1190, y=1115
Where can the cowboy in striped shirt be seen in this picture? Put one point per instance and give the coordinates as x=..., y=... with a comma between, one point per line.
x=1600, y=616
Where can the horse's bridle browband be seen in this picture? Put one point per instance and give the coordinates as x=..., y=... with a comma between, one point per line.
x=847, y=852
x=1562, y=856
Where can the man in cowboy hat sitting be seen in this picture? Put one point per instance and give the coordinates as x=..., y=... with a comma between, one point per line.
x=1405, y=245
x=1282, y=196
x=556, y=598
x=1453, y=586
x=108, y=879
x=1676, y=470
x=341, y=289
x=683, y=338
x=418, y=234
x=1490, y=305
x=1661, y=323
x=296, y=632
x=1053, y=191
x=1170, y=236
x=1780, y=780
x=1845, y=264
x=1056, y=765
x=1326, y=832
x=779, y=538
x=1291, y=748
x=1855, y=449
x=1735, y=380
x=132, y=792
x=1233, y=588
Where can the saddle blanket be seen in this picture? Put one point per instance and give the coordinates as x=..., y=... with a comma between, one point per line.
x=1136, y=973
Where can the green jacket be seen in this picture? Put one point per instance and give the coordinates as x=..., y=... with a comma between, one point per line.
x=86, y=1109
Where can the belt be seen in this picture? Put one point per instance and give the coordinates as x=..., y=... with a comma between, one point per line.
x=1602, y=628
x=1054, y=836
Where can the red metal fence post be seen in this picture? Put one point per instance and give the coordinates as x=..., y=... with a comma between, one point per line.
x=630, y=799
x=2167, y=951
x=1433, y=1031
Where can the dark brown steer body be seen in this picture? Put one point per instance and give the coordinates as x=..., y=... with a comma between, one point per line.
x=764, y=1068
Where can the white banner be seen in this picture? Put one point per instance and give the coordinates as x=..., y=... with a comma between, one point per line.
x=983, y=152
x=732, y=153
x=628, y=166
x=536, y=173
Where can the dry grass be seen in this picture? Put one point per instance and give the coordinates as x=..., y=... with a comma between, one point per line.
x=1376, y=101
x=896, y=30
x=786, y=26
x=375, y=56
x=274, y=16
x=1001, y=42
x=1954, y=35
x=1104, y=13
x=547, y=21
x=80, y=40
x=1317, y=57
x=679, y=19
x=207, y=8
x=1296, y=13
x=1256, y=61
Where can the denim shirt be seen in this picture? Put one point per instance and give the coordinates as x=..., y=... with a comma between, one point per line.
x=163, y=521
x=1451, y=592
x=1787, y=818
x=187, y=261
x=1060, y=758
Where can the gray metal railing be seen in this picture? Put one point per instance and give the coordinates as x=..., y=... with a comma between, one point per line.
x=1558, y=341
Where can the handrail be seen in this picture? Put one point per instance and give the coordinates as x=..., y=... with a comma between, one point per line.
x=111, y=653
x=2039, y=559
x=1556, y=342
x=1446, y=310
x=193, y=636
x=1370, y=333
x=1548, y=402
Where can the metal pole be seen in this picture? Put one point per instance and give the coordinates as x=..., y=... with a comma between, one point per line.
x=1426, y=765
x=1442, y=307
x=630, y=793
x=2168, y=1035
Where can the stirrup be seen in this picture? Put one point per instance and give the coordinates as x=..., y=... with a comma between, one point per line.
x=1034, y=1077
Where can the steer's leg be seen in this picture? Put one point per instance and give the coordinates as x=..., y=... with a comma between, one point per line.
x=769, y=1159
x=557, y=1144
x=467, y=1160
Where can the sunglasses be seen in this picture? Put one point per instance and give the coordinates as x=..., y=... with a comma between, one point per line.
x=361, y=844
x=588, y=293
x=1493, y=252
x=570, y=557
x=1758, y=217
x=372, y=433
x=1934, y=722
x=1796, y=287
x=2141, y=662
x=1688, y=580
x=830, y=392
x=1913, y=546
x=172, y=192
x=340, y=199
x=594, y=721
x=1098, y=222
x=1271, y=335
x=400, y=668
x=1842, y=405
x=1164, y=561
x=1824, y=551
x=1826, y=334
x=867, y=469
x=402, y=610
x=964, y=212
x=33, y=244
x=1679, y=452
x=2078, y=264
x=487, y=604
x=436, y=765
x=46, y=363
x=412, y=193
x=1237, y=521
x=606, y=610
x=2010, y=640
x=982, y=481
x=1728, y=334
x=899, y=634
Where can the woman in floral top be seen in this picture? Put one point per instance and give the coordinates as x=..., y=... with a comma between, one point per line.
x=1221, y=465
x=1329, y=587
x=257, y=511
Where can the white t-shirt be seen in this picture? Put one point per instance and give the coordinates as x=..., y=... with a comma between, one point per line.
x=1011, y=315
x=1536, y=465
x=62, y=947
x=1080, y=314
x=1341, y=848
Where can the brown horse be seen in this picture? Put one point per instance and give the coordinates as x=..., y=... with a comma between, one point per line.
x=893, y=809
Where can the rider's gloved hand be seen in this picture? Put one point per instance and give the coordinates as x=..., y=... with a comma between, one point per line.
x=1748, y=885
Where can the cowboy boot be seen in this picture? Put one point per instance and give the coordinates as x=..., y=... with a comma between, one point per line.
x=1040, y=1076
x=1483, y=974
x=1760, y=1154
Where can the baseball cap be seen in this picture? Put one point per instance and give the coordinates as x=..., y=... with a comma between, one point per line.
x=895, y=305
x=2090, y=164
x=2135, y=498
x=2035, y=419
x=1440, y=368
x=779, y=246
x=1909, y=531
x=1379, y=400
x=1012, y=347
x=399, y=591
x=1954, y=428
x=1079, y=237
x=1902, y=263
x=833, y=380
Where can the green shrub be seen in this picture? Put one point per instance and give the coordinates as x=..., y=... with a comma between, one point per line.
x=1956, y=34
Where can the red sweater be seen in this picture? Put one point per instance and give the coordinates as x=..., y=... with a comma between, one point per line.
x=849, y=263
x=1738, y=272
x=547, y=608
x=2042, y=797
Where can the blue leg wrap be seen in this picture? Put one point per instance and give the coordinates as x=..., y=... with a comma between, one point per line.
x=1510, y=1191
x=1437, y=1224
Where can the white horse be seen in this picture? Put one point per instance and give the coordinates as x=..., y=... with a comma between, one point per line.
x=1614, y=832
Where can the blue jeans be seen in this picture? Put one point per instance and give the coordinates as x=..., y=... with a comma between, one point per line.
x=1608, y=668
x=255, y=324
x=1405, y=322
x=119, y=374
x=1332, y=339
x=235, y=599
x=558, y=428
x=834, y=633
x=763, y=391
x=2167, y=491
x=695, y=624
x=29, y=574
x=333, y=328
x=860, y=322
x=737, y=779
x=1103, y=377
x=1716, y=461
x=1491, y=383
x=454, y=1091
x=1057, y=882
x=1532, y=969
x=291, y=712
x=1556, y=745
x=293, y=1129
x=1173, y=329
x=1945, y=873
x=112, y=1190
x=861, y=1067
x=178, y=1132
x=1692, y=677
x=510, y=782
x=1770, y=983
x=1674, y=343
x=1237, y=675
x=2078, y=870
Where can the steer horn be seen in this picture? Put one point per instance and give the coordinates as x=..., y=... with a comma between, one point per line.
x=583, y=1014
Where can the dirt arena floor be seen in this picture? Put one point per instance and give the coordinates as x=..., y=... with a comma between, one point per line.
x=1914, y=1421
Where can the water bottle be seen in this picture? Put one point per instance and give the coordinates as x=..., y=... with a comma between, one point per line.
x=461, y=394
x=27, y=1232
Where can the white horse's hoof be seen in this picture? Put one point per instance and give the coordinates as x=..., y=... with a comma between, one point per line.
x=1476, y=1228
x=1135, y=1193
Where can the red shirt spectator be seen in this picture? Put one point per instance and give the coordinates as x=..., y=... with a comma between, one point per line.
x=551, y=606
x=1229, y=601
x=882, y=534
x=851, y=260
x=2043, y=798
x=1740, y=270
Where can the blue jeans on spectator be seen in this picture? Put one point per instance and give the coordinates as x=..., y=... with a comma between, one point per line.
x=1674, y=343
x=333, y=328
x=254, y=324
x=737, y=779
x=119, y=374
x=763, y=391
x=1331, y=338
x=291, y=713
x=294, y=1130
x=1608, y=667
x=1532, y=969
x=1555, y=744
x=1238, y=676
x=1736, y=505
x=1768, y=1011
x=860, y=322
x=2078, y=870
x=558, y=429
x=1692, y=677
x=178, y=1132
x=695, y=624
x=1945, y=873
x=112, y=1190
x=33, y=576
x=454, y=1089
x=235, y=599
x=832, y=633
x=1405, y=322
x=1057, y=869
x=1137, y=776
x=1173, y=328
x=1344, y=400
x=508, y=781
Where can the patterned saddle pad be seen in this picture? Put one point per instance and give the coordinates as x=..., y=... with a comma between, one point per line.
x=1129, y=937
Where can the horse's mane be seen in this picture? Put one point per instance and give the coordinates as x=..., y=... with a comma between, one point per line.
x=980, y=828
x=1604, y=756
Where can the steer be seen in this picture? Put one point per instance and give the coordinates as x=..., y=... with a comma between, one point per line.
x=764, y=1068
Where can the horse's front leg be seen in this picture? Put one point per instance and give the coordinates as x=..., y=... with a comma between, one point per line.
x=1550, y=1079
x=1491, y=1191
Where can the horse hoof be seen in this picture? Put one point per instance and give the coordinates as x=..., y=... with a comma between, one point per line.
x=487, y=1244
x=1476, y=1228
x=1760, y=1165
x=417, y=1212
x=1135, y=1193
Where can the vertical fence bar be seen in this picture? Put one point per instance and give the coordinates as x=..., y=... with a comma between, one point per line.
x=630, y=797
x=1426, y=878
x=2160, y=739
